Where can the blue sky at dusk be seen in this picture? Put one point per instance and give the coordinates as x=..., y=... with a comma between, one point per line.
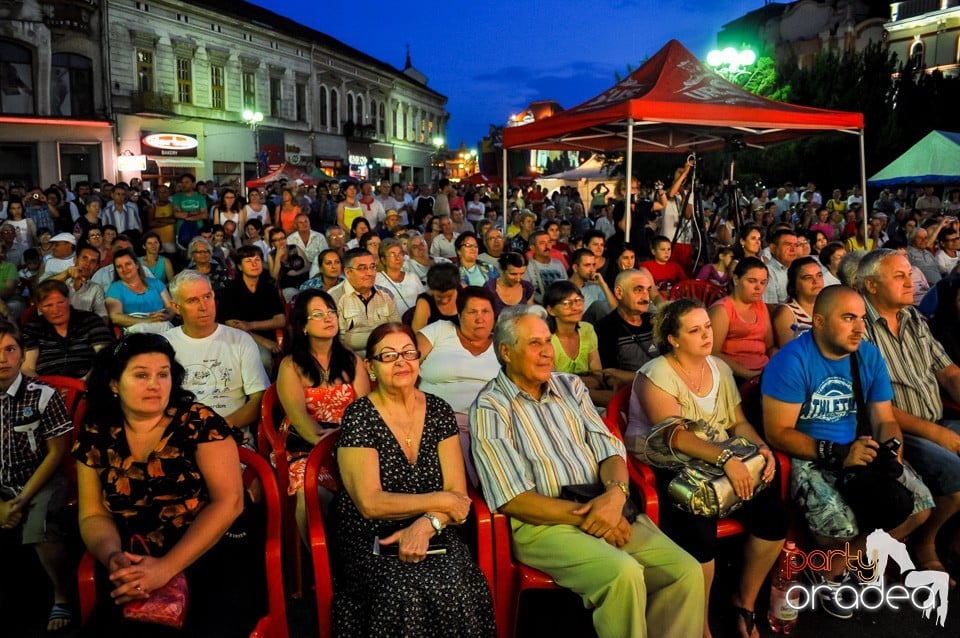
x=493, y=57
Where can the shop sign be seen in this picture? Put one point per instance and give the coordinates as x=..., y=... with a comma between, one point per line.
x=169, y=145
x=131, y=163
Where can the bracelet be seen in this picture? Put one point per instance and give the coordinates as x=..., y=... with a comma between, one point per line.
x=623, y=486
x=725, y=455
x=830, y=455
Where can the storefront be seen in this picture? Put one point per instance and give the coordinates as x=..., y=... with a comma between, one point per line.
x=42, y=151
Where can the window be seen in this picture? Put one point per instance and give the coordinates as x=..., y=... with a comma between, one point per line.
x=335, y=109
x=324, y=119
x=71, y=82
x=373, y=114
x=184, y=82
x=249, y=91
x=916, y=55
x=145, y=70
x=16, y=81
x=350, y=105
x=396, y=129
x=300, y=103
x=274, y=97
x=404, y=125
x=382, y=124
x=216, y=86
x=359, y=118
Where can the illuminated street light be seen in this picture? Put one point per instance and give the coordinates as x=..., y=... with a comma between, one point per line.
x=731, y=63
x=253, y=119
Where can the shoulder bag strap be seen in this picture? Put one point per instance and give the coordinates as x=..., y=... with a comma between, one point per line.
x=863, y=418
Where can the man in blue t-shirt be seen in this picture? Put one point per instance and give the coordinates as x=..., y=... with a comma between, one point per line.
x=810, y=413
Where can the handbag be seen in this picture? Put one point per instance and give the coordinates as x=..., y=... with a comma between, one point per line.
x=586, y=492
x=164, y=606
x=874, y=493
x=700, y=487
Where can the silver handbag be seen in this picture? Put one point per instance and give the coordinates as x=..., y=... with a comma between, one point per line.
x=701, y=487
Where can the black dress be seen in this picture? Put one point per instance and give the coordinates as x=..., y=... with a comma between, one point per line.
x=443, y=595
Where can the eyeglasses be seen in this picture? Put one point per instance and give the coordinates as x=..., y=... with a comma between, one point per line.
x=94, y=236
x=319, y=315
x=390, y=357
x=363, y=268
x=469, y=246
x=570, y=303
x=201, y=252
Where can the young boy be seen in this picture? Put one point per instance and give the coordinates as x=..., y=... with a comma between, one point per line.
x=34, y=437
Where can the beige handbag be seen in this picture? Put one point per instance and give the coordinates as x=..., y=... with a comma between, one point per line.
x=700, y=487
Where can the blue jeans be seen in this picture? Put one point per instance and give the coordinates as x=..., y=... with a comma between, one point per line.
x=939, y=468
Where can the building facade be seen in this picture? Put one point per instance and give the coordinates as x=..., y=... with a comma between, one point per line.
x=170, y=82
x=54, y=100
x=925, y=34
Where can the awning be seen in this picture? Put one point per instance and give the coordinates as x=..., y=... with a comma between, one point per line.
x=166, y=162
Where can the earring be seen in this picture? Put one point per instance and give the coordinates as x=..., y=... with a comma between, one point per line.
x=373, y=377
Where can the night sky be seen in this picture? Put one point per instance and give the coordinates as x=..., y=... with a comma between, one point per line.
x=493, y=57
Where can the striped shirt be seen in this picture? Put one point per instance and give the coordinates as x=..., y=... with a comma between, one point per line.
x=523, y=444
x=913, y=359
x=31, y=413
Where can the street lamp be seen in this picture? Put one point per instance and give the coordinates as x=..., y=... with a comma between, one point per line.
x=731, y=63
x=438, y=143
x=253, y=119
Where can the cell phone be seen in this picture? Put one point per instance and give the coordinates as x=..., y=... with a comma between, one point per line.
x=893, y=445
x=434, y=549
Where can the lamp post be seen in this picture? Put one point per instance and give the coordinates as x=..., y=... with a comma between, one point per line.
x=731, y=63
x=253, y=119
x=438, y=143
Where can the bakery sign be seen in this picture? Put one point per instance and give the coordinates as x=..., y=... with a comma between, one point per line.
x=168, y=145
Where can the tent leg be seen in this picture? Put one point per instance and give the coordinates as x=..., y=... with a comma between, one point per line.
x=863, y=191
x=628, y=181
x=504, y=194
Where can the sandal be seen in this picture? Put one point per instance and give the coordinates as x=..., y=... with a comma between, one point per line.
x=748, y=617
x=62, y=616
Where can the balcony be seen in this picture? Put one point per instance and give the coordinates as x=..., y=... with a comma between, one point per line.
x=359, y=132
x=69, y=15
x=151, y=102
x=914, y=8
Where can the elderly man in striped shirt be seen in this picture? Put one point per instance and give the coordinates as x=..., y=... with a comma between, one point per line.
x=534, y=431
x=919, y=367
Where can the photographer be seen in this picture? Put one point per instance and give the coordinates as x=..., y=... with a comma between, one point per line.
x=677, y=222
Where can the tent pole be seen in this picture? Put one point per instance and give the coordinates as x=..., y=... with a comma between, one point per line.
x=628, y=181
x=504, y=194
x=863, y=192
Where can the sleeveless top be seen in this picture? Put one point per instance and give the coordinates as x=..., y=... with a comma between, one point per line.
x=325, y=405
x=350, y=213
x=165, y=232
x=286, y=217
x=158, y=269
x=801, y=320
x=746, y=342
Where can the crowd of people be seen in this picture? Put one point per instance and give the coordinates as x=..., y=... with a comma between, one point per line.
x=451, y=337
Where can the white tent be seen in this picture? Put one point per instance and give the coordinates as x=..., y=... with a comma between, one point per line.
x=584, y=177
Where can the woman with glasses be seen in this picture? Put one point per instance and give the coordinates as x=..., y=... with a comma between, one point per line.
x=574, y=341
x=473, y=272
x=94, y=237
x=318, y=378
x=399, y=570
x=200, y=254
x=228, y=208
x=404, y=286
x=154, y=463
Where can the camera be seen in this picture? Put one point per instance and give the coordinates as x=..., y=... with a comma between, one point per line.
x=36, y=196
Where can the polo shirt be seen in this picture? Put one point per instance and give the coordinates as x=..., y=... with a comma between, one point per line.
x=523, y=444
x=72, y=355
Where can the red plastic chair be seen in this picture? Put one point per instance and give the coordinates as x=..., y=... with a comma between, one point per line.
x=319, y=553
x=705, y=291
x=274, y=624
x=514, y=578
x=74, y=394
x=272, y=445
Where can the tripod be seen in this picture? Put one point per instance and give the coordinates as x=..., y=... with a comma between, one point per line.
x=696, y=225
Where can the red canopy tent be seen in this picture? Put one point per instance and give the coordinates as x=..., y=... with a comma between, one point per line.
x=676, y=103
x=286, y=171
x=478, y=179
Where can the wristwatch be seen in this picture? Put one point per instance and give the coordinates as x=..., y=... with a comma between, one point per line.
x=434, y=523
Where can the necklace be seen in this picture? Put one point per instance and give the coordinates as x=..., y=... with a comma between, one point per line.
x=703, y=366
x=324, y=371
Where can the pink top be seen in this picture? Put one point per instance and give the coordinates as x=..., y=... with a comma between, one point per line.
x=746, y=342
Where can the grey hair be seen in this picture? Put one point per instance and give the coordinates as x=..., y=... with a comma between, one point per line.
x=386, y=245
x=505, y=332
x=913, y=233
x=188, y=276
x=623, y=275
x=869, y=266
x=849, y=265
x=201, y=241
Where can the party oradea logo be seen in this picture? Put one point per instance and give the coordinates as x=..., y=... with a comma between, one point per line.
x=923, y=590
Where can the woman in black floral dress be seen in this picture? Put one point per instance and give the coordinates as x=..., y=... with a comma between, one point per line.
x=402, y=470
x=154, y=464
